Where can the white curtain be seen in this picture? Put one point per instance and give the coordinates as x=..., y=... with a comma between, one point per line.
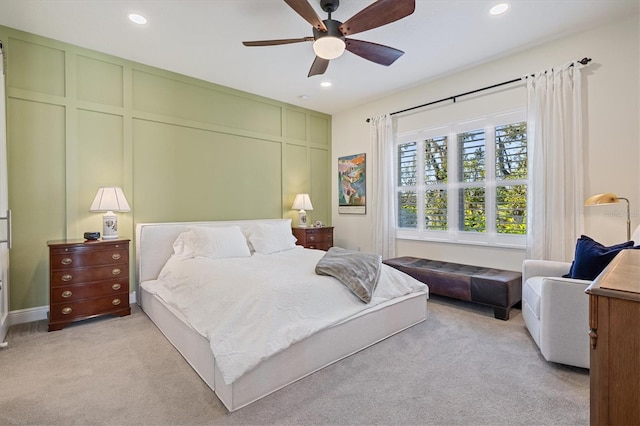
x=554, y=130
x=382, y=196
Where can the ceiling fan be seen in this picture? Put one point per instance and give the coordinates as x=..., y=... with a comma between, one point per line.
x=330, y=36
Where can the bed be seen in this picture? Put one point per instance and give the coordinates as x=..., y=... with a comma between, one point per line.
x=156, y=250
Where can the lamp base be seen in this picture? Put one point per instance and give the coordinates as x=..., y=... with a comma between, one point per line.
x=110, y=226
x=302, y=219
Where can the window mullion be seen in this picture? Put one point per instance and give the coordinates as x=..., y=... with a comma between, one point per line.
x=490, y=180
x=420, y=186
x=452, y=185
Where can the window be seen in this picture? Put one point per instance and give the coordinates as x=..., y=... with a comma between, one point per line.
x=465, y=182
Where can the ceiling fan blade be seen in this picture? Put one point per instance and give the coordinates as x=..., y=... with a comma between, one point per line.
x=319, y=66
x=276, y=42
x=383, y=55
x=377, y=14
x=304, y=9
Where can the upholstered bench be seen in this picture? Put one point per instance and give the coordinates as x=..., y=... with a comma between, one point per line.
x=497, y=288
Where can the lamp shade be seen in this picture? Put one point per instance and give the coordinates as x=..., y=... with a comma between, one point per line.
x=110, y=199
x=302, y=202
x=607, y=198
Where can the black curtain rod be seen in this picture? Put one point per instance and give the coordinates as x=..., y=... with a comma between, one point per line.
x=583, y=61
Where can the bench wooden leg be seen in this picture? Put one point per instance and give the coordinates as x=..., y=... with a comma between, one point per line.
x=501, y=313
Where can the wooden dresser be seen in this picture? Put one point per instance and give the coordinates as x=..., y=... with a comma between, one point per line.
x=614, y=319
x=314, y=238
x=87, y=279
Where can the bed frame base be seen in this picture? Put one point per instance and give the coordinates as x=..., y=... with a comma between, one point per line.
x=298, y=361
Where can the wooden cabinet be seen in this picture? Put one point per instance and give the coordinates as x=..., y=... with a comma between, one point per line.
x=87, y=279
x=614, y=319
x=314, y=238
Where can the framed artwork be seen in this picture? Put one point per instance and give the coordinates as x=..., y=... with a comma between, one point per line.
x=352, y=191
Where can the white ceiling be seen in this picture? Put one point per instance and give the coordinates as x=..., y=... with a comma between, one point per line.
x=203, y=39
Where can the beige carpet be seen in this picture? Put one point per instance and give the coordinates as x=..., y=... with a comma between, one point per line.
x=459, y=367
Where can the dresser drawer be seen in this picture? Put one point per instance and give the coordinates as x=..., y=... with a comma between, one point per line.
x=80, y=258
x=88, y=308
x=83, y=275
x=71, y=293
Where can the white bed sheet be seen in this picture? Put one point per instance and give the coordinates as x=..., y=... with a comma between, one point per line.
x=261, y=305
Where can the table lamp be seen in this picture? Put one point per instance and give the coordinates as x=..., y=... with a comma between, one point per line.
x=110, y=200
x=302, y=202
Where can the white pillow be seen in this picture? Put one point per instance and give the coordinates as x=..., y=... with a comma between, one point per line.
x=218, y=242
x=267, y=238
x=183, y=245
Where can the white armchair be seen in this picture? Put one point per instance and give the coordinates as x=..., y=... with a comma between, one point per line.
x=556, y=311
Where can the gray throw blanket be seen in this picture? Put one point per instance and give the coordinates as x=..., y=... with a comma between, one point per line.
x=358, y=271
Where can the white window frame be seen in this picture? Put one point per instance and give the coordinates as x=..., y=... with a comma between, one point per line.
x=453, y=234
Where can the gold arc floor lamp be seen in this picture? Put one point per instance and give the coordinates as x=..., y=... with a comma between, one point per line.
x=609, y=198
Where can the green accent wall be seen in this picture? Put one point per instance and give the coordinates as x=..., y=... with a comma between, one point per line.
x=181, y=149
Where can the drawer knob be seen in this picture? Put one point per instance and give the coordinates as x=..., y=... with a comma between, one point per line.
x=66, y=294
x=66, y=311
x=67, y=261
x=312, y=238
x=67, y=277
x=116, y=271
x=115, y=302
x=116, y=286
x=115, y=256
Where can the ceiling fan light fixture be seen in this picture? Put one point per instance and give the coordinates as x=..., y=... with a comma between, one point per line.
x=329, y=47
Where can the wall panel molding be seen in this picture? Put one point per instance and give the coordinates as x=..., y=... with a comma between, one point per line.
x=181, y=149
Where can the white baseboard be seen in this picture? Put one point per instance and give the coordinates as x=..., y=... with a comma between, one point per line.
x=36, y=314
x=22, y=316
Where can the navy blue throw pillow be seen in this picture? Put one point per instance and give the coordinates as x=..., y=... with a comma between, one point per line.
x=591, y=258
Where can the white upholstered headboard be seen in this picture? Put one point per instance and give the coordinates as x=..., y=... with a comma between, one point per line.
x=154, y=243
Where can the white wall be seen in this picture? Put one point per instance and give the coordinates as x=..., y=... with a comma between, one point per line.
x=612, y=133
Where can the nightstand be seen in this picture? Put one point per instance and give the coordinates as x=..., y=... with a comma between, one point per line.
x=314, y=238
x=87, y=279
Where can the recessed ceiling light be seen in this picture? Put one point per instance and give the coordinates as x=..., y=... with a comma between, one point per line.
x=325, y=84
x=499, y=9
x=138, y=19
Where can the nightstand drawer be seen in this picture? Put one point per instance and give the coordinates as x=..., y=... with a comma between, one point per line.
x=317, y=236
x=76, y=259
x=72, y=293
x=81, y=275
x=88, y=308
